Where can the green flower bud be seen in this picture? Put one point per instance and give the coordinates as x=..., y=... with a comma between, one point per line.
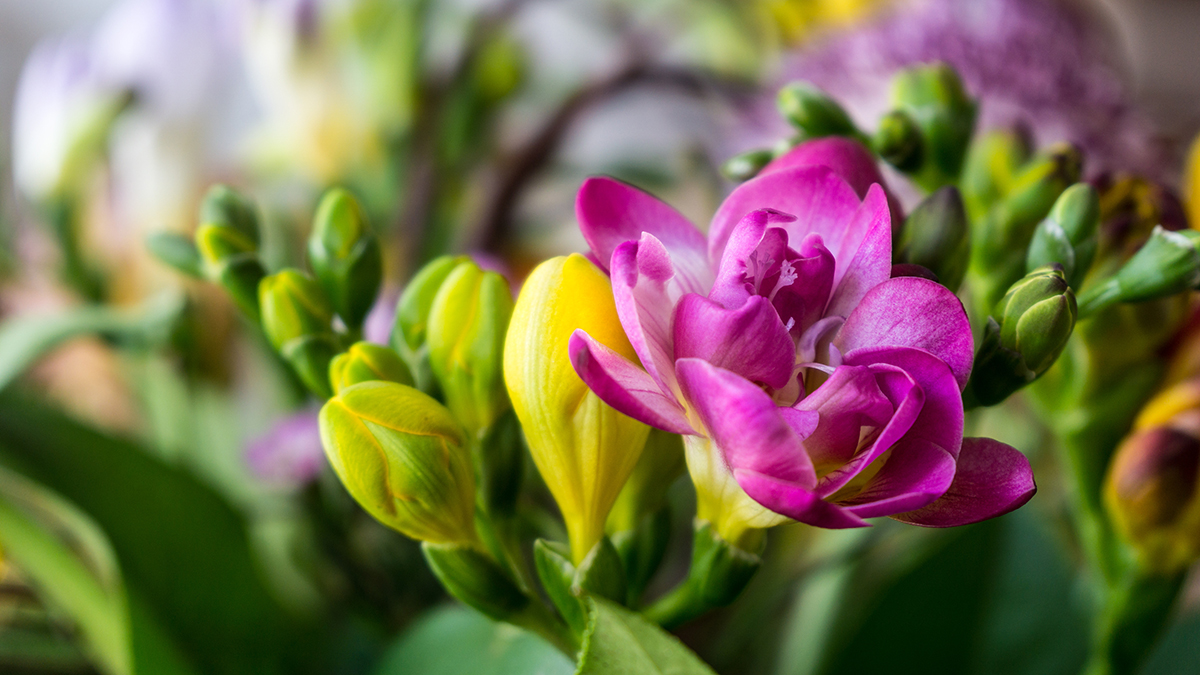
x=899, y=142
x=935, y=236
x=991, y=165
x=230, y=260
x=225, y=207
x=365, y=362
x=345, y=256
x=745, y=166
x=1037, y=316
x=404, y=458
x=934, y=98
x=412, y=310
x=1167, y=264
x=467, y=325
x=297, y=319
x=1151, y=496
x=813, y=112
x=1068, y=236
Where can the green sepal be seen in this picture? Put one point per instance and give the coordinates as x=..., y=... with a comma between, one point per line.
x=310, y=357
x=178, y=251
x=642, y=550
x=722, y=569
x=814, y=112
x=743, y=167
x=471, y=576
x=600, y=574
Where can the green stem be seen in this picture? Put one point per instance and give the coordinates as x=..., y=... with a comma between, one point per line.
x=679, y=606
x=1131, y=620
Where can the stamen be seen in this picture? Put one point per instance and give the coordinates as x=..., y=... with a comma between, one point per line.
x=787, y=277
x=790, y=324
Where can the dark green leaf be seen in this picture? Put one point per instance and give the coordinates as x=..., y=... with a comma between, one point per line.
x=621, y=642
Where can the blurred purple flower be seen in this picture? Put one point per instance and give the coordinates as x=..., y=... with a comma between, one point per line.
x=1041, y=63
x=290, y=453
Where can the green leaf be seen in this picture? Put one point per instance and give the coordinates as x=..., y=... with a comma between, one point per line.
x=69, y=561
x=455, y=640
x=26, y=338
x=181, y=547
x=621, y=642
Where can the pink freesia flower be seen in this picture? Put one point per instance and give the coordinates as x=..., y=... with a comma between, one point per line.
x=781, y=346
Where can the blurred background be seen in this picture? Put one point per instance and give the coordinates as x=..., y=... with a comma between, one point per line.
x=467, y=126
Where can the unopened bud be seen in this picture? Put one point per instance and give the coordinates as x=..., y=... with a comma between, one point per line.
x=297, y=319
x=404, y=458
x=1068, y=236
x=745, y=166
x=225, y=207
x=366, y=362
x=412, y=310
x=935, y=236
x=1036, y=318
x=934, y=98
x=345, y=256
x=992, y=164
x=1167, y=264
x=899, y=142
x=813, y=112
x=468, y=322
x=230, y=259
x=1151, y=496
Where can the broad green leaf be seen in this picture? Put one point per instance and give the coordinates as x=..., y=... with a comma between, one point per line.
x=24, y=339
x=621, y=642
x=67, y=558
x=182, y=548
x=455, y=640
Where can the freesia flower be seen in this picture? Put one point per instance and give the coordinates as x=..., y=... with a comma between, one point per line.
x=810, y=384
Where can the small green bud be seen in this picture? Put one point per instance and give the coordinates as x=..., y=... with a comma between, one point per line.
x=934, y=98
x=230, y=260
x=992, y=164
x=1167, y=264
x=1036, y=318
x=225, y=207
x=345, y=256
x=1151, y=496
x=898, y=141
x=404, y=458
x=813, y=112
x=936, y=236
x=1038, y=185
x=600, y=574
x=365, y=362
x=178, y=251
x=1068, y=236
x=745, y=166
x=412, y=310
x=297, y=319
x=468, y=322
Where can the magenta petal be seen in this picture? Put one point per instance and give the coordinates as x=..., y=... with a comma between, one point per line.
x=990, y=480
x=847, y=157
x=872, y=262
x=916, y=473
x=848, y=401
x=611, y=212
x=755, y=237
x=912, y=312
x=624, y=386
x=750, y=341
x=745, y=423
x=822, y=202
x=795, y=502
x=645, y=292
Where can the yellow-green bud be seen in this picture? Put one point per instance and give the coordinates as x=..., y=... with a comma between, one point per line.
x=297, y=319
x=1068, y=236
x=813, y=112
x=467, y=325
x=229, y=258
x=345, y=256
x=745, y=166
x=412, y=310
x=404, y=458
x=1167, y=264
x=1151, y=496
x=935, y=236
x=365, y=362
x=991, y=166
x=225, y=207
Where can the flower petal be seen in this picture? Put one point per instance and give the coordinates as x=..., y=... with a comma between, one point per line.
x=623, y=385
x=912, y=312
x=915, y=474
x=847, y=157
x=750, y=341
x=611, y=212
x=646, y=291
x=872, y=262
x=822, y=202
x=795, y=502
x=745, y=423
x=990, y=480
x=848, y=401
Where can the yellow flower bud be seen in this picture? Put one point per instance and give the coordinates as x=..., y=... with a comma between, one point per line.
x=584, y=449
x=404, y=458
